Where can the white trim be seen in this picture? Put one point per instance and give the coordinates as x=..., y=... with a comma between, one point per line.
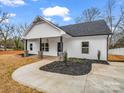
x=52, y=24
x=29, y=28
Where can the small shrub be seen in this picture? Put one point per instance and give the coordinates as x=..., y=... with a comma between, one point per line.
x=65, y=57
x=79, y=60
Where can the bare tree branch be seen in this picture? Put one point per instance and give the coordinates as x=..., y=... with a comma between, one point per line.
x=18, y=30
x=109, y=11
x=113, y=24
x=89, y=15
x=6, y=32
x=119, y=21
x=3, y=16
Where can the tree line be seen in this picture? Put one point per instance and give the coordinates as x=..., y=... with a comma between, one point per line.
x=10, y=34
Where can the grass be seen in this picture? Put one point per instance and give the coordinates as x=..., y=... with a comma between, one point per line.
x=9, y=61
x=8, y=52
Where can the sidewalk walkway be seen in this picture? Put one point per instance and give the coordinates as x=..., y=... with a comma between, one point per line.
x=94, y=82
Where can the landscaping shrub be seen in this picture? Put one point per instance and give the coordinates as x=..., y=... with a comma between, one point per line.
x=65, y=57
x=79, y=60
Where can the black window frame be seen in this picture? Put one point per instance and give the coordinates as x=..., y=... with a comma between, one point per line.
x=45, y=47
x=85, y=47
x=31, y=47
x=59, y=46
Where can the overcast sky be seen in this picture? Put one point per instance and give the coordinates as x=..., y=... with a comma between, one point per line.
x=61, y=12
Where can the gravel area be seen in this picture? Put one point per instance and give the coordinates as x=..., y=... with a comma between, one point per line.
x=74, y=66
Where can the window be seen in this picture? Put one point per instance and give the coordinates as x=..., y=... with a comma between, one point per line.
x=31, y=46
x=85, y=47
x=59, y=47
x=45, y=46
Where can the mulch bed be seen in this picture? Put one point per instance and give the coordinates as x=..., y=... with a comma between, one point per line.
x=72, y=67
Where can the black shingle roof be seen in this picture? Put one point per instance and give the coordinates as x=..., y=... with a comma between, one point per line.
x=87, y=29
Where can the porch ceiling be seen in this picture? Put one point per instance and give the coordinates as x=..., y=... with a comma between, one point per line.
x=36, y=37
x=45, y=36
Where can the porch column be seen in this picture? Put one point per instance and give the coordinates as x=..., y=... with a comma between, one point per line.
x=40, y=53
x=61, y=43
x=25, y=48
x=61, y=49
x=26, y=44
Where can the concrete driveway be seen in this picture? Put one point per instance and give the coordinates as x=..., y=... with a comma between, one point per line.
x=102, y=79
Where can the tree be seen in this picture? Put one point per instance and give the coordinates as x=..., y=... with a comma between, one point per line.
x=121, y=26
x=17, y=34
x=3, y=17
x=110, y=18
x=109, y=10
x=6, y=31
x=78, y=19
x=89, y=15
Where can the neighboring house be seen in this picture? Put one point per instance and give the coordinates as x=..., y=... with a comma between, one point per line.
x=82, y=40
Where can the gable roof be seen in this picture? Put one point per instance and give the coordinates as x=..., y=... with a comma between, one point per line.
x=98, y=27
x=39, y=20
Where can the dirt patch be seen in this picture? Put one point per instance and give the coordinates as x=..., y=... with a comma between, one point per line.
x=9, y=63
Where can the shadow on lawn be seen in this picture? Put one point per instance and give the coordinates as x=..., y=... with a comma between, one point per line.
x=22, y=55
x=74, y=66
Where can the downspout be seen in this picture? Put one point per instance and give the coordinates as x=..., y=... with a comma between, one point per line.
x=107, y=46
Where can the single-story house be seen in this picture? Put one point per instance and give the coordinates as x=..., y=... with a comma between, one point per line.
x=82, y=40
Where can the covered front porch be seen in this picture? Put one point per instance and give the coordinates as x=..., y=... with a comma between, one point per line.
x=44, y=38
x=50, y=46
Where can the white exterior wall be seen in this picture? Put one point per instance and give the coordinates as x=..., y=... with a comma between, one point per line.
x=73, y=46
x=43, y=30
